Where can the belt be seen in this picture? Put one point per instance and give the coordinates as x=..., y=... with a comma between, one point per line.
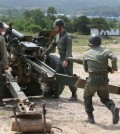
x=102, y=73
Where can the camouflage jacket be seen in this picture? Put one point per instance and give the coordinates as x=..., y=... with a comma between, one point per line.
x=3, y=51
x=96, y=59
x=63, y=42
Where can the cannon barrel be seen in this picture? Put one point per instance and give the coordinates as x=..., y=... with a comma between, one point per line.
x=14, y=32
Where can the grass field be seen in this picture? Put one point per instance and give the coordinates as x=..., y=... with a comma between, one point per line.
x=80, y=45
x=70, y=117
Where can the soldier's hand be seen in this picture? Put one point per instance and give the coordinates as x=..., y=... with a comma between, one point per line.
x=6, y=67
x=42, y=54
x=65, y=63
x=70, y=59
x=110, y=70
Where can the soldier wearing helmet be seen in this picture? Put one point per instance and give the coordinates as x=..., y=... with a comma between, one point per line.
x=63, y=42
x=59, y=23
x=94, y=40
x=95, y=62
x=3, y=61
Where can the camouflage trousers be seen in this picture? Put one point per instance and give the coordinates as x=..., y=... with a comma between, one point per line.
x=2, y=91
x=97, y=84
x=67, y=70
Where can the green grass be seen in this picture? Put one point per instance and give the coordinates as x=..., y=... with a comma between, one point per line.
x=81, y=40
x=80, y=44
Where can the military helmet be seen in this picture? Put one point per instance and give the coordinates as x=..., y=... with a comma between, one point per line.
x=1, y=24
x=94, y=40
x=59, y=23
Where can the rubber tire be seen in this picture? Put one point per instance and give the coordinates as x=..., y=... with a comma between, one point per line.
x=52, y=61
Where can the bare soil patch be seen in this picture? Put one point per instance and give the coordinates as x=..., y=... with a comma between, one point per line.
x=71, y=116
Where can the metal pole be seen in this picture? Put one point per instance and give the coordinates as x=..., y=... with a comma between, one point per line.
x=44, y=119
x=14, y=111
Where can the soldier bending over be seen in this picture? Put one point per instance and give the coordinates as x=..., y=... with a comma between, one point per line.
x=3, y=62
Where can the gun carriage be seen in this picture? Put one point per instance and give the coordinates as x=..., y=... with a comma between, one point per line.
x=33, y=73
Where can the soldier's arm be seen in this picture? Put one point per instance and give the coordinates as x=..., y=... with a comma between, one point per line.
x=113, y=59
x=68, y=47
x=4, y=51
x=110, y=70
x=76, y=60
x=85, y=65
x=52, y=45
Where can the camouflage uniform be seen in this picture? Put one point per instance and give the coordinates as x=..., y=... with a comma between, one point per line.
x=63, y=42
x=95, y=62
x=4, y=60
x=3, y=51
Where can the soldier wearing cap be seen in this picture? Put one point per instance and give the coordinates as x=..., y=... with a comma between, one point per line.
x=3, y=61
x=63, y=42
x=95, y=62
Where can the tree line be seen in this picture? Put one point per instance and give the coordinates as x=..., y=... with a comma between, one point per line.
x=36, y=20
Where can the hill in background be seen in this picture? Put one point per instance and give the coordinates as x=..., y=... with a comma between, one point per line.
x=62, y=6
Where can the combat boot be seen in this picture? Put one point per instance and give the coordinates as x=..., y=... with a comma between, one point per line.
x=73, y=97
x=90, y=118
x=1, y=102
x=55, y=96
x=115, y=115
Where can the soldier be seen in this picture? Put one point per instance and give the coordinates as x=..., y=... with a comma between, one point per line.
x=63, y=42
x=95, y=62
x=3, y=62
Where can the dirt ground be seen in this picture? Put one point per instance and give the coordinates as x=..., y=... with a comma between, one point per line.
x=70, y=117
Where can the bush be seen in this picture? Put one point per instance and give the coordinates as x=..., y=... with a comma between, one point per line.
x=34, y=28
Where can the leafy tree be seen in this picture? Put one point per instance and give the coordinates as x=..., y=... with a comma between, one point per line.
x=113, y=23
x=49, y=23
x=99, y=23
x=81, y=25
x=20, y=24
x=51, y=11
x=27, y=14
x=4, y=18
x=118, y=24
x=36, y=17
x=34, y=28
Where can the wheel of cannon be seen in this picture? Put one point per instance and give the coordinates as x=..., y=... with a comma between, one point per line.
x=52, y=61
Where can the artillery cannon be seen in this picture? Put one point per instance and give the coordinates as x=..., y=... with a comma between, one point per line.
x=34, y=74
x=30, y=74
x=26, y=61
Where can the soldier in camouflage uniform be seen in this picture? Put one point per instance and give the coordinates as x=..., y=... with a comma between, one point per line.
x=95, y=62
x=63, y=42
x=3, y=62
